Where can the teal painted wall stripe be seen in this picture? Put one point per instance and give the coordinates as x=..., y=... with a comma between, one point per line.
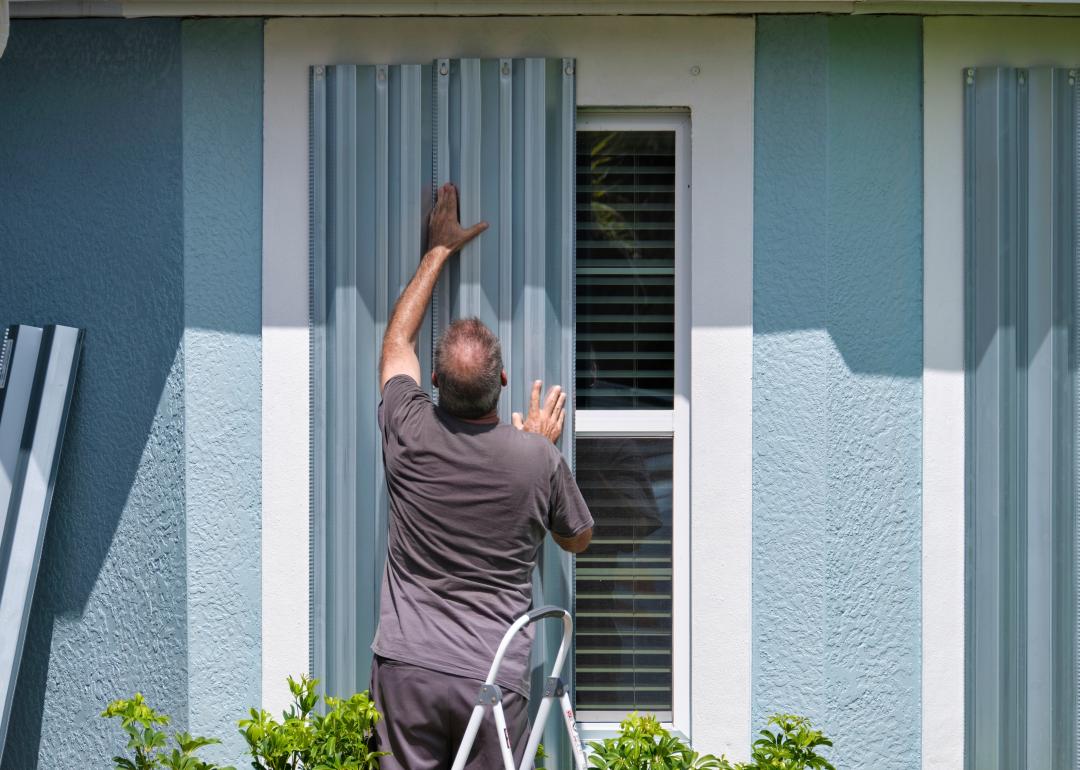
x=222, y=150
x=837, y=389
x=91, y=222
x=130, y=205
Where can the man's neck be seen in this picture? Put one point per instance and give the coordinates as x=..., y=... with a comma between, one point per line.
x=488, y=419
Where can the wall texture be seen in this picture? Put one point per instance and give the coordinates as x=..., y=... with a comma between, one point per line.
x=222, y=139
x=91, y=235
x=130, y=200
x=837, y=392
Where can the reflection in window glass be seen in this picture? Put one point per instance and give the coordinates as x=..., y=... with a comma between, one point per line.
x=623, y=581
x=625, y=269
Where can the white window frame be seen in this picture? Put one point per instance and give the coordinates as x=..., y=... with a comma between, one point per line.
x=674, y=423
x=702, y=63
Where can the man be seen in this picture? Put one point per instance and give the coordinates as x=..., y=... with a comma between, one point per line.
x=471, y=501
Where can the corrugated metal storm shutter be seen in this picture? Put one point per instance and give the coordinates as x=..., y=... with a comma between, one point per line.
x=1022, y=344
x=382, y=138
x=371, y=188
x=37, y=381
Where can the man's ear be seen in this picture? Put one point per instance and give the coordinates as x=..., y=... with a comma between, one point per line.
x=434, y=379
x=502, y=377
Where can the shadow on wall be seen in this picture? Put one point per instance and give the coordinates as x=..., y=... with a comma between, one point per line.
x=91, y=236
x=838, y=189
x=838, y=355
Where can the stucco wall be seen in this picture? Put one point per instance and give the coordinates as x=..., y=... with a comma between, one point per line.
x=91, y=235
x=837, y=390
x=222, y=137
x=122, y=215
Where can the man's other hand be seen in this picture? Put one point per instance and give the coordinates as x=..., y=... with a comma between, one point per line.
x=444, y=224
x=547, y=420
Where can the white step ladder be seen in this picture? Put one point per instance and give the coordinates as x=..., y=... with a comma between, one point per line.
x=554, y=691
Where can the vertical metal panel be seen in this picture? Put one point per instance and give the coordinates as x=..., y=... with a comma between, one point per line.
x=558, y=566
x=984, y=167
x=440, y=305
x=534, y=215
x=37, y=379
x=1067, y=472
x=369, y=192
x=494, y=137
x=505, y=234
x=1020, y=170
x=383, y=137
x=505, y=133
x=1038, y=412
x=1064, y=182
x=317, y=302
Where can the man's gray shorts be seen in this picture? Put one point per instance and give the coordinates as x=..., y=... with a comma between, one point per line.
x=424, y=714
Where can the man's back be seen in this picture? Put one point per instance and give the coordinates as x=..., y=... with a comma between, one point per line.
x=470, y=504
x=470, y=501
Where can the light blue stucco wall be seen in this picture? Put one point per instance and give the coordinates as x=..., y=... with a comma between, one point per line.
x=91, y=235
x=837, y=381
x=222, y=137
x=126, y=209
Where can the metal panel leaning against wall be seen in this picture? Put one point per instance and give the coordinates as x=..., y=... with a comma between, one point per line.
x=382, y=137
x=1020, y=174
x=37, y=379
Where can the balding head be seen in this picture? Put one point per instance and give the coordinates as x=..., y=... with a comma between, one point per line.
x=468, y=369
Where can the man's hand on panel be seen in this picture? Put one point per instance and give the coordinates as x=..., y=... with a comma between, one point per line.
x=547, y=420
x=444, y=224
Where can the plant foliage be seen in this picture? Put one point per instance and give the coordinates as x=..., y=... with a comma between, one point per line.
x=304, y=739
x=643, y=744
x=150, y=745
x=793, y=746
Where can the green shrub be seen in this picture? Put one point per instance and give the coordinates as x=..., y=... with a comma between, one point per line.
x=150, y=745
x=793, y=746
x=338, y=740
x=643, y=744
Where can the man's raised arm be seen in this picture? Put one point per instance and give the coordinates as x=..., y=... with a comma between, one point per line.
x=445, y=236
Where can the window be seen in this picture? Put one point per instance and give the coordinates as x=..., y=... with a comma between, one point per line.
x=631, y=413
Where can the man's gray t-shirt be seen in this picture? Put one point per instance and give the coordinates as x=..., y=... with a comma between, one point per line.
x=470, y=505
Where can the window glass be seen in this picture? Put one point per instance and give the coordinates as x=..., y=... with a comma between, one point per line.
x=623, y=581
x=625, y=269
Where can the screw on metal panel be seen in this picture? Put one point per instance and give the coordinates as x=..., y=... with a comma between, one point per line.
x=505, y=68
x=695, y=70
x=320, y=70
x=970, y=76
x=1072, y=77
x=444, y=68
x=569, y=69
x=381, y=73
x=1020, y=78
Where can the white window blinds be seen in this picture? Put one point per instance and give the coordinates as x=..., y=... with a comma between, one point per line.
x=625, y=269
x=628, y=189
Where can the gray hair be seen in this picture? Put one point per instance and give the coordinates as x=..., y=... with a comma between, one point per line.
x=468, y=365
